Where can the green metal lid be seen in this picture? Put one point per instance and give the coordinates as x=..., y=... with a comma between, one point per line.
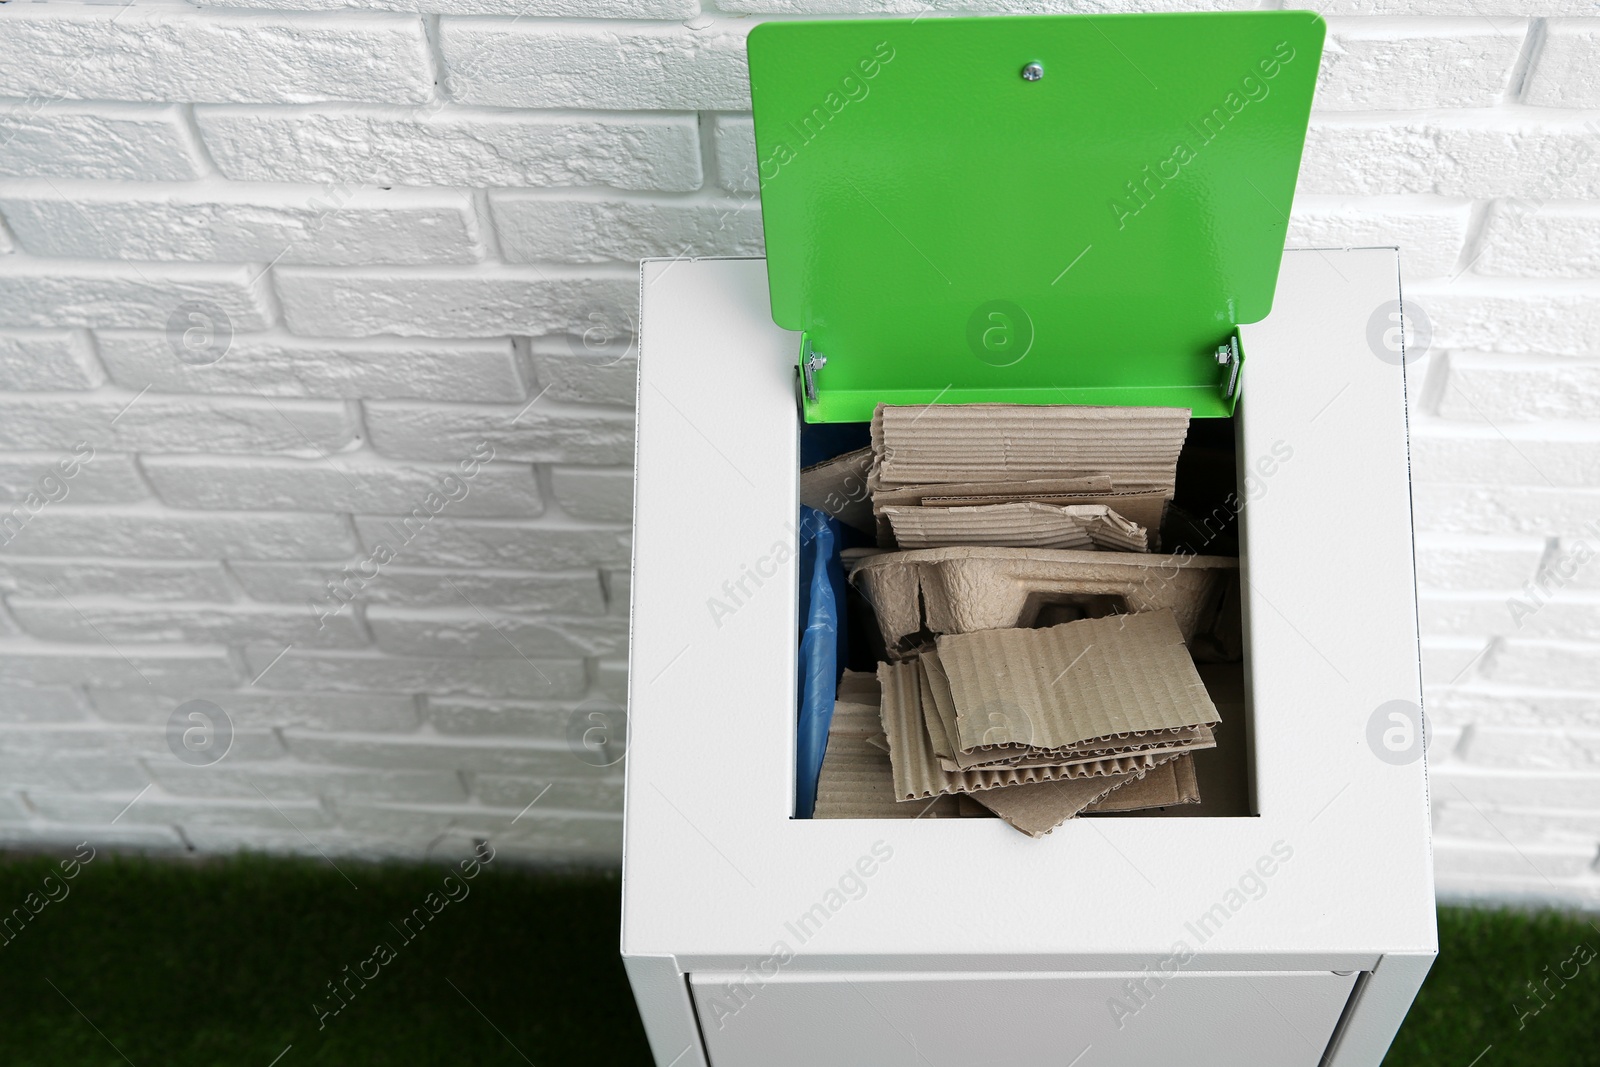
x=1056, y=209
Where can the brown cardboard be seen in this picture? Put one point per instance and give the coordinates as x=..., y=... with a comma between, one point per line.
x=1068, y=684
x=916, y=770
x=1167, y=784
x=1146, y=509
x=859, y=687
x=1137, y=447
x=1023, y=524
x=838, y=487
x=1038, y=809
x=942, y=727
x=964, y=590
x=856, y=781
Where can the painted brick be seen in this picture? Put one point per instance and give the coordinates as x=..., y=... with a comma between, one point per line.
x=124, y=624
x=1429, y=231
x=345, y=672
x=1496, y=706
x=24, y=663
x=612, y=679
x=619, y=591
x=1472, y=152
x=1519, y=388
x=503, y=756
x=322, y=846
x=542, y=433
x=261, y=708
x=281, y=364
x=1512, y=315
x=1559, y=664
x=553, y=65
x=75, y=578
x=503, y=718
x=597, y=9
x=74, y=773
x=278, y=781
x=138, y=52
x=1503, y=455
x=46, y=137
x=1462, y=821
x=1534, y=749
x=65, y=530
x=53, y=292
x=539, y=837
x=452, y=146
x=490, y=543
x=1025, y=7
x=48, y=359
x=65, y=807
x=108, y=478
x=172, y=423
x=53, y=837
x=1395, y=63
x=469, y=632
x=1547, y=861
x=581, y=369
x=1462, y=562
x=99, y=741
x=1523, y=8
x=733, y=141
x=1540, y=239
x=359, y=482
x=1450, y=661
x=1505, y=510
x=597, y=493
x=571, y=593
x=434, y=302
x=48, y=705
x=540, y=228
x=1566, y=72
x=235, y=222
x=597, y=791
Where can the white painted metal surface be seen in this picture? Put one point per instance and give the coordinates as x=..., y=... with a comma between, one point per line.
x=1218, y=1019
x=718, y=877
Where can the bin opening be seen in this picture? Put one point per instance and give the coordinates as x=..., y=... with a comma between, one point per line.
x=953, y=555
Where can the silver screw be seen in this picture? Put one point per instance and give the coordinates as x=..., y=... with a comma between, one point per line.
x=1032, y=72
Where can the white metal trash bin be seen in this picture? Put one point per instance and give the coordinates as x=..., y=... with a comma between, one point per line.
x=1295, y=933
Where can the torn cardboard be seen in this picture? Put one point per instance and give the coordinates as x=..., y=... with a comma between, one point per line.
x=1136, y=447
x=856, y=780
x=964, y=590
x=1165, y=785
x=838, y=487
x=1023, y=524
x=1065, y=685
x=1038, y=809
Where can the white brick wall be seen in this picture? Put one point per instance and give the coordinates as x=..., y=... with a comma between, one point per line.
x=399, y=231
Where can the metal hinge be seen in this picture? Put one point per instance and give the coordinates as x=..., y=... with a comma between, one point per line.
x=1228, y=360
x=810, y=364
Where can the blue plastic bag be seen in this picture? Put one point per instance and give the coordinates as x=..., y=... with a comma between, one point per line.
x=822, y=648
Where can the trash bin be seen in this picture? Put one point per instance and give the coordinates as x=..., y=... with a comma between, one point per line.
x=1083, y=210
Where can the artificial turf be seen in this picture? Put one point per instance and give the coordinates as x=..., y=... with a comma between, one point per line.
x=228, y=962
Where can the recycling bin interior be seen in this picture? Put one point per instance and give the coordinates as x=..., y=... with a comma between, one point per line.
x=1303, y=926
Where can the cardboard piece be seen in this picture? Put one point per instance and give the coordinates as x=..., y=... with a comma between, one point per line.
x=1164, y=785
x=1038, y=809
x=1023, y=524
x=964, y=590
x=856, y=780
x=1068, y=684
x=917, y=445
x=916, y=770
x=839, y=487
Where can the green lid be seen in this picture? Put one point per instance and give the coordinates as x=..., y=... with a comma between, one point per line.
x=1070, y=209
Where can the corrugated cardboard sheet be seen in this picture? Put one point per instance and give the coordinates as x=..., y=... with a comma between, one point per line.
x=1068, y=684
x=962, y=590
x=1137, y=447
x=1016, y=525
x=839, y=487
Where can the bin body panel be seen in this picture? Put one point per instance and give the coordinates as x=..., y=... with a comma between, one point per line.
x=1332, y=873
x=1087, y=1020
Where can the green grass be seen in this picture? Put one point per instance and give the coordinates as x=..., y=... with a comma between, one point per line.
x=163, y=964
